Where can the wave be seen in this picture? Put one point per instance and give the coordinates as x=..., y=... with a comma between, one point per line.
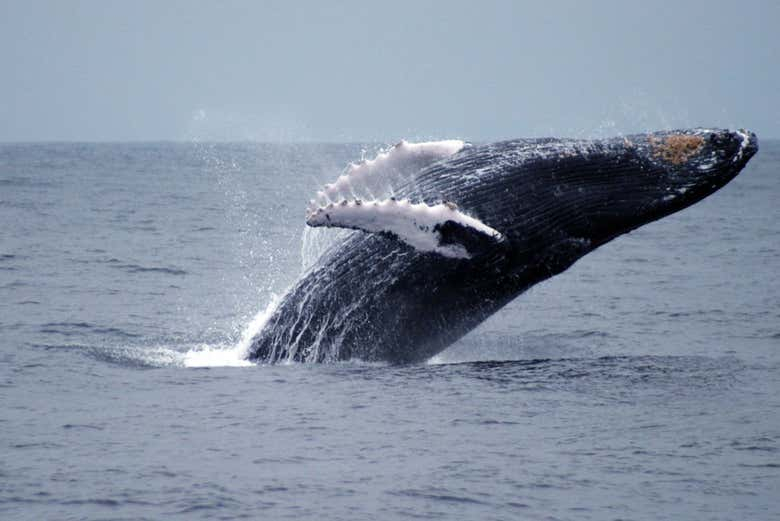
x=75, y=328
x=136, y=268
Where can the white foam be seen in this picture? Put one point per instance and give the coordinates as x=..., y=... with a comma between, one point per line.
x=214, y=356
x=230, y=355
x=413, y=223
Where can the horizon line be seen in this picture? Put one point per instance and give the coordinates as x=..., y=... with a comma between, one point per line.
x=260, y=142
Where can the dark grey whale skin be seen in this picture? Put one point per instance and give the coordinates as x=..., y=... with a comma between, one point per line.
x=555, y=200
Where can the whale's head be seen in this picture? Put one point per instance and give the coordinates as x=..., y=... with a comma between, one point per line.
x=565, y=198
x=685, y=166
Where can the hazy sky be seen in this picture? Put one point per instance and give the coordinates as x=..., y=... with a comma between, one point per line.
x=380, y=71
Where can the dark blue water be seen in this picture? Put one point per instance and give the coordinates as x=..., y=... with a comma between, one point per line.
x=643, y=383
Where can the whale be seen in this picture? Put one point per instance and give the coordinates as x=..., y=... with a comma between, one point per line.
x=438, y=236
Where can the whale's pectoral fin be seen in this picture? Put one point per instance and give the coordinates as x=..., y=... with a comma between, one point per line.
x=440, y=228
x=389, y=169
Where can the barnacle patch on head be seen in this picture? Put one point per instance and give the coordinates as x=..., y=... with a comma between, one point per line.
x=677, y=148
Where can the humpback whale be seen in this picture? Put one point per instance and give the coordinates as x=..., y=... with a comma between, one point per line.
x=465, y=229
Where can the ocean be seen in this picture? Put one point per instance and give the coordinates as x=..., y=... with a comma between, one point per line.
x=643, y=383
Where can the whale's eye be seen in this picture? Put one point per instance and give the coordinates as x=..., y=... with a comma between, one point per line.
x=677, y=148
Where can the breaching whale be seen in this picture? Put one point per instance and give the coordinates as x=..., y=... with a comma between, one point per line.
x=468, y=228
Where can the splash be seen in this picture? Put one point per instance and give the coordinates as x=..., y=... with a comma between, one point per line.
x=255, y=326
x=316, y=241
x=230, y=355
x=214, y=356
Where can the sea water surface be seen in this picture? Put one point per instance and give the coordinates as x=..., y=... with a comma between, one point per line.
x=643, y=383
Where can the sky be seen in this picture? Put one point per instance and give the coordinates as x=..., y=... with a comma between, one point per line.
x=382, y=71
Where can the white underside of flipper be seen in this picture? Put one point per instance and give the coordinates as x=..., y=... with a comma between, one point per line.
x=421, y=226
